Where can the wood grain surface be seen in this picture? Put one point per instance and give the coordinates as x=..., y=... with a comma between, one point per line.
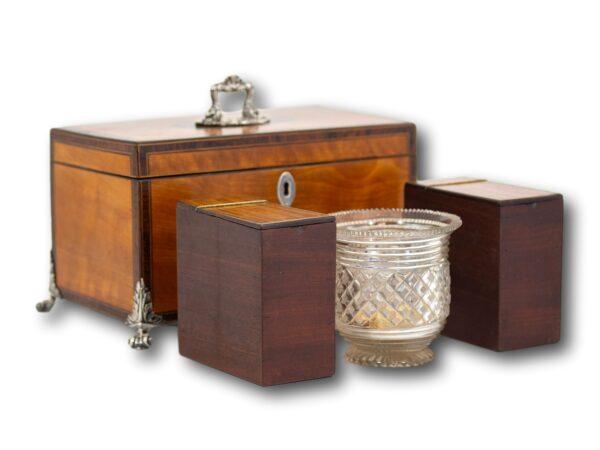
x=297, y=119
x=99, y=160
x=530, y=273
x=220, y=309
x=256, y=303
x=174, y=146
x=298, y=305
x=505, y=264
x=194, y=161
x=504, y=194
x=93, y=235
x=261, y=214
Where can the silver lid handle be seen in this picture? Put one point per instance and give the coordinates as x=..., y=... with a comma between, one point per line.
x=215, y=117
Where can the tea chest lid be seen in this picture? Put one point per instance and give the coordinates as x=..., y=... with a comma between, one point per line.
x=177, y=146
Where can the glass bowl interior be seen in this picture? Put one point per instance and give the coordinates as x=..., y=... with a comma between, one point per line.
x=370, y=225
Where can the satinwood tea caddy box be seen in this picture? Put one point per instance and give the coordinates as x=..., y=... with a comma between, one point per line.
x=115, y=188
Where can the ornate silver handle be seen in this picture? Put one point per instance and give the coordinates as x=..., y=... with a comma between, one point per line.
x=215, y=116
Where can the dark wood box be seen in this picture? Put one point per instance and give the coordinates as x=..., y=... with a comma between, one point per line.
x=256, y=284
x=505, y=260
x=115, y=187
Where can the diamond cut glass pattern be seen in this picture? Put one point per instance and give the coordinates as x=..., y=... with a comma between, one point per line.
x=392, y=299
x=393, y=283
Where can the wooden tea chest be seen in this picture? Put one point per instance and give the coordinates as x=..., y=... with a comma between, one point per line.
x=115, y=188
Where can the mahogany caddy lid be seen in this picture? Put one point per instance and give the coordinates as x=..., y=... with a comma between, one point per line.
x=502, y=194
x=258, y=214
x=176, y=146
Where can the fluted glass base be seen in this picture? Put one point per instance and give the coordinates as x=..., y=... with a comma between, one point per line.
x=390, y=348
x=387, y=354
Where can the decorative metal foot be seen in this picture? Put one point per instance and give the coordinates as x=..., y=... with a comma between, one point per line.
x=47, y=305
x=142, y=318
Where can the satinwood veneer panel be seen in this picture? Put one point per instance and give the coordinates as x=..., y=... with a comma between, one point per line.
x=94, y=235
x=89, y=158
x=193, y=161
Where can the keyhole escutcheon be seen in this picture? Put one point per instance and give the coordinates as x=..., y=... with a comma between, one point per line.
x=286, y=189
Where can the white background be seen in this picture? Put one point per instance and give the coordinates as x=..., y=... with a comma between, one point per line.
x=509, y=92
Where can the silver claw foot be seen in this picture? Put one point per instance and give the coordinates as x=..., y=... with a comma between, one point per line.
x=142, y=318
x=47, y=305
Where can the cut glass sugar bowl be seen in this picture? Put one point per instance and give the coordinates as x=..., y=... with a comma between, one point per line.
x=392, y=283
